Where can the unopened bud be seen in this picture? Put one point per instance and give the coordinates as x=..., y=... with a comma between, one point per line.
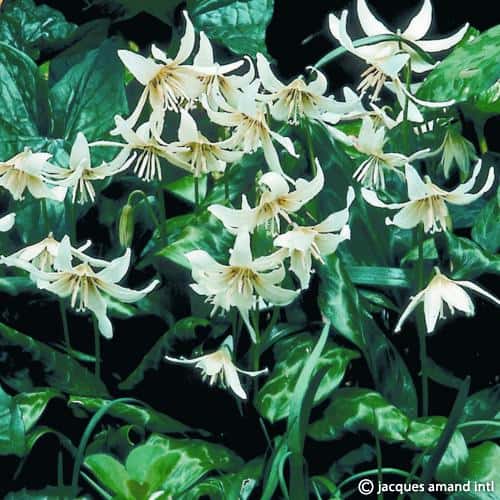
x=126, y=226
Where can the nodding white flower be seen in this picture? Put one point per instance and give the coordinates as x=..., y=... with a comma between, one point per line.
x=442, y=290
x=417, y=28
x=7, y=221
x=28, y=170
x=218, y=367
x=217, y=85
x=145, y=141
x=371, y=142
x=243, y=283
x=80, y=175
x=169, y=82
x=251, y=131
x=43, y=254
x=298, y=99
x=195, y=150
x=318, y=241
x=275, y=201
x=427, y=202
x=83, y=284
x=456, y=149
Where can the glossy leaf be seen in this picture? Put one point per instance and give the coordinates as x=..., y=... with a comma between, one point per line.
x=273, y=400
x=485, y=231
x=12, y=431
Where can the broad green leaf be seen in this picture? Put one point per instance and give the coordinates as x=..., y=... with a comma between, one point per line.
x=237, y=24
x=33, y=404
x=185, y=329
x=119, y=441
x=339, y=301
x=347, y=463
x=132, y=414
x=59, y=370
x=89, y=95
x=48, y=493
x=467, y=74
x=15, y=285
x=486, y=230
x=111, y=473
x=273, y=400
x=442, y=375
x=31, y=28
x=354, y=410
x=379, y=276
x=455, y=457
x=424, y=432
x=469, y=260
x=12, y=431
x=20, y=86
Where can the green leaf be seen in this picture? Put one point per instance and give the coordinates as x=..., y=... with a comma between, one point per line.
x=451, y=465
x=132, y=414
x=354, y=410
x=339, y=301
x=273, y=400
x=59, y=371
x=185, y=329
x=468, y=259
x=239, y=25
x=468, y=74
x=33, y=404
x=347, y=463
x=12, y=431
x=379, y=276
x=424, y=432
x=31, y=28
x=48, y=493
x=441, y=375
x=90, y=94
x=486, y=230
x=111, y=473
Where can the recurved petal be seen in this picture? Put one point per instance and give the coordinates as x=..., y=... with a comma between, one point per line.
x=370, y=24
x=7, y=221
x=456, y=297
x=300, y=265
x=80, y=152
x=420, y=24
x=205, y=55
x=443, y=43
x=233, y=380
x=461, y=195
x=337, y=220
x=372, y=198
x=187, y=41
x=267, y=77
x=97, y=305
x=241, y=254
x=410, y=216
x=276, y=183
x=126, y=294
x=433, y=303
x=116, y=269
x=275, y=294
x=409, y=309
x=143, y=69
x=479, y=290
x=417, y=188
x=188, y=131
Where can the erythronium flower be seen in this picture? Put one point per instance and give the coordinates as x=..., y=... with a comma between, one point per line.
x=168, y=82
x=145, y=141
x=7, y=221
x=427, y=202
x=28, y=170
x=298, y=99
x=443, y=290
x=456, y=149
x=414, y=32
x=218, y=367
x=217, y=84
x=202, y=155
x=80, y=175
x=371, y=141
x=251, y=129
x=83, y=284
x=318, y=241
x=276, y=201
x=244, y=282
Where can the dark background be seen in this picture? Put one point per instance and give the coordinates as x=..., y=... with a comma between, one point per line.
x=464, y=346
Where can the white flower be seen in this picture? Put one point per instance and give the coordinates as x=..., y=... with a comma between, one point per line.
x=251, y=130
x=84, y=285
x=168, y=82
x=276, y=201
x=218, y=367
x=243, y=282
x=442, y=290
x=298, y=99
x=371, y=142
x=7, y=221
x=28, y=170
x=149, y=147
x=427, y=202
x=217, y=85
x=202, y=155
x=305, y=242
x=80, y=175
x=456, y=149
x=417, y=28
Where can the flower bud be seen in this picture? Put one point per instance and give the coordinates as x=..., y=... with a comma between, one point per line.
x=126, y=225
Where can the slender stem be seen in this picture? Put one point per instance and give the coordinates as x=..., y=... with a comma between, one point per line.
x=96, y=487
x=163, y=216
x=226, y=183
x=473, y=423
x=149, y=207
x=45, y=216
x=97, y=346
x=479, y=129
x=197, y=191
x=310, y=148
x=71, y=221
x=421, y=325
x=406, y=123
x=64, y=320
x=298, y=488
x=380, y=475
x=374, y=472
x=413, y=472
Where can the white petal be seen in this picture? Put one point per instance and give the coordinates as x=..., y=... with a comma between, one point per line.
x=444, y=43
x=267, y=77
x=188, y=131
x=125, y=294
x=187, y=41
x=116, y=269
x=394, y=64
x=80, y=152
x=300, y=265
x=337, y=220
x=97, y=305
x=410, y=216
x=479, y=290
x=457, y=298
x=319, y=84
x=241, y=254
x=459, y=196
x=205, y=55
x=143, y=69
x=370, y=24
x=62, y=262
x=417, y=188
x=372, y=198
x=233, y=381
x=275, y=294
x=270, y=154
x=286, y=142
x=7, y=221
x=420, y=24
x=409, y=309
x=432, y=306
